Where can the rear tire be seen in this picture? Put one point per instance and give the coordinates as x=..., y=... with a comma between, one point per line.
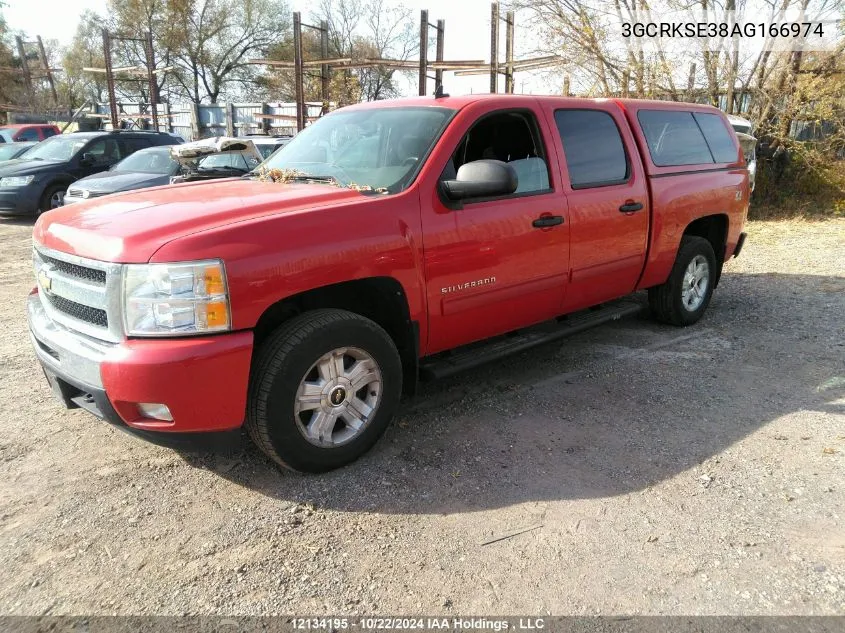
x=323, y=389
x=685, y=296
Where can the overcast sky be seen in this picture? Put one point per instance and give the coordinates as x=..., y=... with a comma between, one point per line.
x=467, y=34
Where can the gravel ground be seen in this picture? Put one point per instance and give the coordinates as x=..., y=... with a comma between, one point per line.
x=664, y=471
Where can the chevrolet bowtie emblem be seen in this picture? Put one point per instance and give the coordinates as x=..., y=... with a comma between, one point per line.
x=44, y=280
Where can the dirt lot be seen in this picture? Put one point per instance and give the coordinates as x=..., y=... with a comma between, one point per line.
x=693, y=471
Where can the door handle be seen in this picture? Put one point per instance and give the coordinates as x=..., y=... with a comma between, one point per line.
x=630, y=207
x=545, y=221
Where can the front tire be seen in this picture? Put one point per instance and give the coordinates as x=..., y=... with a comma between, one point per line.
x=685, y=296
x=52, y=198
x=323, y=389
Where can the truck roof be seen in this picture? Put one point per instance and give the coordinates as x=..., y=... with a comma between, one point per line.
x=461, y=101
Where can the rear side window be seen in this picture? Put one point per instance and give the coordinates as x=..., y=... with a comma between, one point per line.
x=674, y=138
x=132, y=145
x=595, y=154
x=717, y=136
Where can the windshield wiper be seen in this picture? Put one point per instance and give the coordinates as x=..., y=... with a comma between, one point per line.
x=328, y=180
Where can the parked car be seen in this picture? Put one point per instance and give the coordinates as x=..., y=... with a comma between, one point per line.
x=214, y=158
x=749, y=148
x=157, y=166
x=150, y=167
x=305, y=306
x=38, y=181
x=27, y=132
x=10, y=151
x=740, y=124
x=266, y=144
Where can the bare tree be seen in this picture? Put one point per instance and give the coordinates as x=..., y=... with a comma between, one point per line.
x=369, y=29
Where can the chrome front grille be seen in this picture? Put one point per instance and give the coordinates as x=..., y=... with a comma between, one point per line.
x=80, y=193
x=94, y=316
x=81, y=294
x=79, y=272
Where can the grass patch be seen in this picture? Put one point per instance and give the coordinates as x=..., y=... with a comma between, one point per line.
x=810, y=185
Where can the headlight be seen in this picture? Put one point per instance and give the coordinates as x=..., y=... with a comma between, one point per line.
x=16, y=181
x=175, y=299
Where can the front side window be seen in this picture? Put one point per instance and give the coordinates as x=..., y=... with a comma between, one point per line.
x=379, y=147
x=674, y=138
x=28, y=134
x=511, y=137
x=47, y=132
x=104, y=151
x=594, y=151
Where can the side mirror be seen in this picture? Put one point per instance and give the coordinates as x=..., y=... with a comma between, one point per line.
x=481, y=179
x=87, y=160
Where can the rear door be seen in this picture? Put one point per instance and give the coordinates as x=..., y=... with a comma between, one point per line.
x=605, y=184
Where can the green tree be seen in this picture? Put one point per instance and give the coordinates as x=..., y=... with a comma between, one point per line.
x=212, y=41
x=85, y=51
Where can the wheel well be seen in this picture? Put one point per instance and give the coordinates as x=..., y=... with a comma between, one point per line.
x=380, y=299
x=713, y=228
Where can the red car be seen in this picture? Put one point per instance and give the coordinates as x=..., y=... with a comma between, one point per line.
x=388, y=242
x=27, y=132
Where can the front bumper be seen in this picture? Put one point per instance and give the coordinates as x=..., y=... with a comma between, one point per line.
x=202, y=380
x=20, y=200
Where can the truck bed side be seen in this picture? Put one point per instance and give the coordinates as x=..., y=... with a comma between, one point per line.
x=709, y=200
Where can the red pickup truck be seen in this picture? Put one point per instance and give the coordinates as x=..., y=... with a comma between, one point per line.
x=388, y=242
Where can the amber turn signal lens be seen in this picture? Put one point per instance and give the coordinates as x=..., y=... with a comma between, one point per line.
x=214, y=281
x=216, y=314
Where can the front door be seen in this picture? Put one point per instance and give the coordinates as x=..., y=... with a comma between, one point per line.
x=498, y=264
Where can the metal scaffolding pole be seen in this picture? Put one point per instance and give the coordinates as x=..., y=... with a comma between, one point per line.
x=509, y=24
x=297, y=70
x=27, y=78
x=423, y=78
x=324, y=68
x=441, y=36
x=47, y=71
x=151, y=78
x=494, y=47
x=110, y=78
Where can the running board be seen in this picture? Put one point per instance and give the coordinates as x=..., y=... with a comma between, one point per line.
x=473, y=355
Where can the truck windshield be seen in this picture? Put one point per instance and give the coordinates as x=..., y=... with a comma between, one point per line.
x=380, y=148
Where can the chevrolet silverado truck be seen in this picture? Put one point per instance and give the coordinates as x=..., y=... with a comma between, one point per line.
x=386, y=243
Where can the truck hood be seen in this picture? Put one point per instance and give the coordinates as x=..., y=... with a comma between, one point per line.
x=131, y=227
